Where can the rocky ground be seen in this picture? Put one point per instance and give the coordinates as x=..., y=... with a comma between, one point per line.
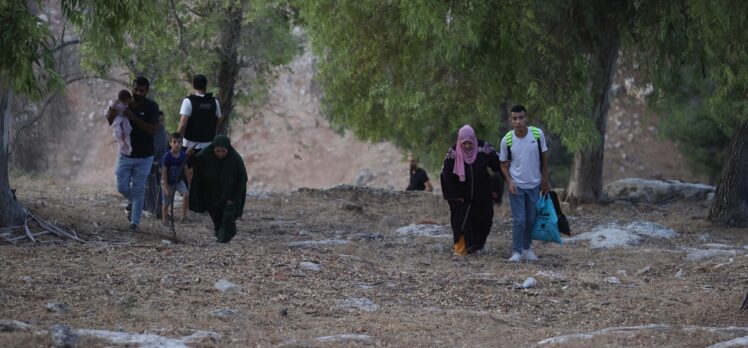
x=351, y=266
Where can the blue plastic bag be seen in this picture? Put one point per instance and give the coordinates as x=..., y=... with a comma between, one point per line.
x=546, y=222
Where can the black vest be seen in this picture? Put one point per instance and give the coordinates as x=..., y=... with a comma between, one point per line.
x=201, y=126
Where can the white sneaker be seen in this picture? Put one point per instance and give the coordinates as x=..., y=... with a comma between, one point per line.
x=530, y=255
x=516, y=257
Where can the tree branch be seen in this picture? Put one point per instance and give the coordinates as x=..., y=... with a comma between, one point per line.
x=180, y=28
x=48, y=100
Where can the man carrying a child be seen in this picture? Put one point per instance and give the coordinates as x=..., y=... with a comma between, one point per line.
x=133, y=168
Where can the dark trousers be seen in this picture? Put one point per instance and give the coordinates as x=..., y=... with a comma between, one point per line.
x=153, y=198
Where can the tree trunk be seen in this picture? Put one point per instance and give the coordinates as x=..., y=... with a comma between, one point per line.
x=730, y=206
x=228, y=68
x=11, y=212
x=586, y=181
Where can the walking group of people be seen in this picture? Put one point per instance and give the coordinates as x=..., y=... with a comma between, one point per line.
x=204, y=168
x=200, y=162
x=471, y=190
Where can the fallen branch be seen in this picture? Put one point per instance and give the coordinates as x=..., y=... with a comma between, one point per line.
x=27, y=233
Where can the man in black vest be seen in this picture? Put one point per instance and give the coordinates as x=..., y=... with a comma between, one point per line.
x=200, y=116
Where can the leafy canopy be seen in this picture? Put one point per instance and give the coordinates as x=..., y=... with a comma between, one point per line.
x=413, y=72
x=26, y=61
x=169, y=41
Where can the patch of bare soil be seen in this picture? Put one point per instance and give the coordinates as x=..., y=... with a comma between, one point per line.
x=328, y=268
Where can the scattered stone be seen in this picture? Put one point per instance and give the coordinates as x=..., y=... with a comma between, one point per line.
x=612, y=280
x=558, y=340
x=654, y=191
x=148, y=340
x=530, y=282
x=224, y=313
x=316, y=243
x=737, y=342
x=613, y=235
x=226, y=286
x=363, y=304
x=644, y=270
x=346, y=338
x=14, y=325
x=309, y=266
x=694, y=254
x=651, y=229
x=425, y=230
x=679, y=274
x=63, y=337
x=58, y=308
x=553, y=275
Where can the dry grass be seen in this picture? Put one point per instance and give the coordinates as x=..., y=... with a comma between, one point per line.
x=135, y=282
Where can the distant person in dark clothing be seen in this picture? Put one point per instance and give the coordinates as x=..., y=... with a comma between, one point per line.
x=153, y=190
x=466, y=185
x=419, y=180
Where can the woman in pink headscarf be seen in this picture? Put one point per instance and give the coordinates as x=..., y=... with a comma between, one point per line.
x=466, y=185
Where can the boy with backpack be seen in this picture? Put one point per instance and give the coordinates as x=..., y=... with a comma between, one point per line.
x=173, y=172
x=525, y=167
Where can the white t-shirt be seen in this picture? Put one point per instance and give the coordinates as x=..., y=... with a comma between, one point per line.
x=186, y=110
x=525, y=164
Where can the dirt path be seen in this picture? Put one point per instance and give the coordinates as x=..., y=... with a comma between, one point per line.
x=331, y=268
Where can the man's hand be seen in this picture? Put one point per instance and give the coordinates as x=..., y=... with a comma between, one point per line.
x=513, y=188
x=110, y=115
x=545, y=186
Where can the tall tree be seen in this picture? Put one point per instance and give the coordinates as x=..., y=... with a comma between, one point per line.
x=237, y=44
x=710, y=37
x=413, y=71
x=26, y=39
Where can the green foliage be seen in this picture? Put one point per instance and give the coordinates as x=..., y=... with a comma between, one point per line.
x=700, y=140
x=704, y=39
x=25, y=57
x=413, y=72
x=169, y=41
x=698, y=57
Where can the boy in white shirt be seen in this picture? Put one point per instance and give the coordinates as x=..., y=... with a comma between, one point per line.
x=525, y=167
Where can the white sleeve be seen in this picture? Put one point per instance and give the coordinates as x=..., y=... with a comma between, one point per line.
x=218, y=108
x=503, y=150
x=543, y=146
x=186, y=109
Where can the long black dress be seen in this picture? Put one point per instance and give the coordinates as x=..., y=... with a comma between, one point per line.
x=472, y=217
x=219, y=186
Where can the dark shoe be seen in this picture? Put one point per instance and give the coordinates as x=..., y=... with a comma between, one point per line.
x=128, y=211
x=133, y=227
